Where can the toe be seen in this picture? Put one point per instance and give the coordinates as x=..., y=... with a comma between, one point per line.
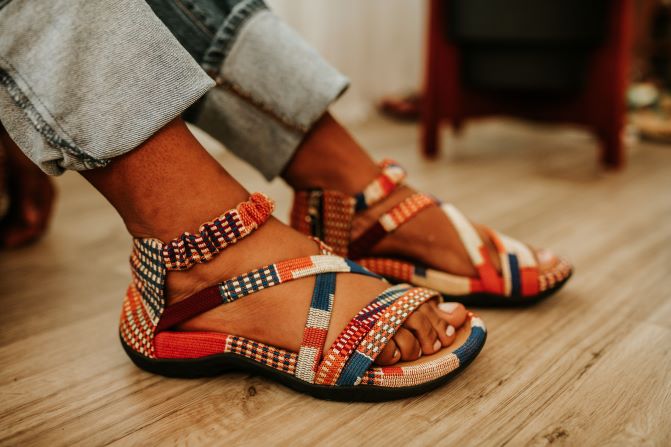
x=552, y=269
x=546, y=259
x=453, y=313
x=421, y=327
x=450, y=334
x=439, y=324
x=407, y=345
x=389, y=355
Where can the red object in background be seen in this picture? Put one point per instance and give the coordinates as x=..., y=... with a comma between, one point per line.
x=600, y=105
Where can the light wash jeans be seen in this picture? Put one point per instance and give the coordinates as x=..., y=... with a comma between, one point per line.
x=84, y=81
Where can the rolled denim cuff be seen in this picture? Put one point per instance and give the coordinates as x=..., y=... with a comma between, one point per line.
x=271, y=88
x=84, y=81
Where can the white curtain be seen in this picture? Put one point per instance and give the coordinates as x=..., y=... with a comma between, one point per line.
x=378, y=44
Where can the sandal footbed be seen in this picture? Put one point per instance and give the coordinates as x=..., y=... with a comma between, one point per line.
x=482, y=299
x=217, y=364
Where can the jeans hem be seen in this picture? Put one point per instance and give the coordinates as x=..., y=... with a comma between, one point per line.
x=262, y=114
x=38, y=122
x=227, y=34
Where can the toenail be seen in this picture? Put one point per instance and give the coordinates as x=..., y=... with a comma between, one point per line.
x=396, y=353
x=450, y=330
x=437, y=345
x=448, y=308
x=420, y=353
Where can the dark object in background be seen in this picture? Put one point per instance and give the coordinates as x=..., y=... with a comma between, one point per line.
x=660, y=34
x=526, y=45
x=403, y=108
x=489, y=59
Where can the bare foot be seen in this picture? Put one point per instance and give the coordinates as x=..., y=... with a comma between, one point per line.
x=276, y=315
x=431, y=239
x=170, y=184
x=330, y=158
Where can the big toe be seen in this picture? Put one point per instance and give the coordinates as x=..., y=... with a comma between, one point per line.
x=453, y=313
x=547, y=260
x=552, y=269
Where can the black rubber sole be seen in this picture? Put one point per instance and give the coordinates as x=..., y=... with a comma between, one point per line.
x=218, y=364
x=497, y=301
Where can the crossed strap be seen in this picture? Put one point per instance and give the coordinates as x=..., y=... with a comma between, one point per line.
x=518, y=264
x=358, y=344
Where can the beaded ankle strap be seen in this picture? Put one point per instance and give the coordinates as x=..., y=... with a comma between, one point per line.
x=188, y=249
x=391, y=176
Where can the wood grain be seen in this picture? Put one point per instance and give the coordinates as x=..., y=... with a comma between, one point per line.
x=591, y=366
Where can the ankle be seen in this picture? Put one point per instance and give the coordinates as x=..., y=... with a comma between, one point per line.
x=166, y=221
x=330, y=158
x=272, y=242
x=364, y=219
x=167, y=185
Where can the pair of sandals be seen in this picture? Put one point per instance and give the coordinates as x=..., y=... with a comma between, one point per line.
x=345, y=371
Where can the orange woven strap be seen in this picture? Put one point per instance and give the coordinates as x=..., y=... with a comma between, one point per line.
x=212, y=237
x=384, y=184
x=251, y=282
x=389, y=222
x=365, y=337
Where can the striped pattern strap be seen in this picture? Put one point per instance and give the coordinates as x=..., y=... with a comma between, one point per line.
x=518, y=264
x=476, y=249
x=365, y=337
x=316, y=327
x=189, y=249
x=389, y=222
x=258, y=279
x=391, y=176
x=334, y=361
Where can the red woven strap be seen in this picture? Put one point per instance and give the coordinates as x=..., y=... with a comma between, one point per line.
x=389, y=222
x=196, y=304
x=384, y=184
x=251, y=282
x=212, y=237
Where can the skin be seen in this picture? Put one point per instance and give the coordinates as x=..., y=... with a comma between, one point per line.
x=327, y=158
x=330, y=158
x=170, y=184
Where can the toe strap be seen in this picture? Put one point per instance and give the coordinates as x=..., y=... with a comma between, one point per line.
x=364, y=338
x=391, y=175
x=389, y=222
x=519, y=270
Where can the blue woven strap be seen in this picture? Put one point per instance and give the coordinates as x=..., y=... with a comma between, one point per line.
x=316, y=327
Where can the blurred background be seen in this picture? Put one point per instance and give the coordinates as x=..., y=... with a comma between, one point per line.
x=554, y=61
x=549, y=120
x=378, y=44
x=464, y=78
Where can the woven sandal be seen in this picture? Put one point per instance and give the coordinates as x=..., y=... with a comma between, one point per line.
x=343, y=372
x=328, y=215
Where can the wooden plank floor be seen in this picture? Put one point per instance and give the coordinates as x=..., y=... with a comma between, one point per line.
x=591, y=366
